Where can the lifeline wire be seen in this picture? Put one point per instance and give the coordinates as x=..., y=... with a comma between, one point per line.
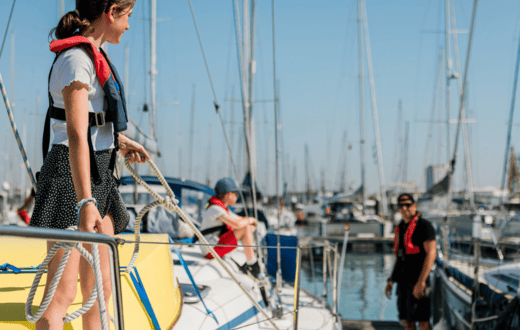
x=122, y=241
x=7, y=29
x=204, y=56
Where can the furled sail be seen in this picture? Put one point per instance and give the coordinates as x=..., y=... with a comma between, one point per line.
x=441, y=188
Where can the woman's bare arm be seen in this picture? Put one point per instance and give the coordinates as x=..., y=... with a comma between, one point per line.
x=75, y=97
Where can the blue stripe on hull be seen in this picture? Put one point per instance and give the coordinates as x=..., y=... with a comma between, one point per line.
x=242, y=317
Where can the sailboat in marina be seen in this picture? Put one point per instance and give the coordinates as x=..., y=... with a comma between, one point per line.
x=363, y=215
x=469, y=293
x=160, y=281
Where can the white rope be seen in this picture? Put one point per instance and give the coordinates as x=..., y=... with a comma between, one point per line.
x=97, y=291
x=170, y=203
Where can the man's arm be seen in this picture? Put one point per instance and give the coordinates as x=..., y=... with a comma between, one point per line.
x=236, y=223
x=431, y=253
x=391, y=279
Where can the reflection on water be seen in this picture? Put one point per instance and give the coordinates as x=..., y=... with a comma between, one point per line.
x=362, y=286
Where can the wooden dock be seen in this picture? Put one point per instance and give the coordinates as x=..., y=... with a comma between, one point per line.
x=371, y=325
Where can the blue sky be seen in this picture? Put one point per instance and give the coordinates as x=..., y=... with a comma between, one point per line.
x=316, y=61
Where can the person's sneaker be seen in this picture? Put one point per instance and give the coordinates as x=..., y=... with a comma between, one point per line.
x=254, y=269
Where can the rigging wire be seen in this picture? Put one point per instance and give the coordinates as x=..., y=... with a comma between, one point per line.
x=7, y=28
x=144, y=56
x=217, y=106
x=204, y=56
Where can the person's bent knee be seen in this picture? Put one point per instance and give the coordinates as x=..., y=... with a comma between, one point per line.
x=65, y=299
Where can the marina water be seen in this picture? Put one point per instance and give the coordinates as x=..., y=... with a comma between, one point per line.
x=363, y=282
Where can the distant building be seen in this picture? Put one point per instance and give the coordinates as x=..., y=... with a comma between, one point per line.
x=434, y=174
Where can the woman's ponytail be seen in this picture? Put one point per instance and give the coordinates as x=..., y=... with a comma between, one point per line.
x=69, y=25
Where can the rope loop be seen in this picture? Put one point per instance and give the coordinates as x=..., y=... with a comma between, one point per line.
x=97, y=291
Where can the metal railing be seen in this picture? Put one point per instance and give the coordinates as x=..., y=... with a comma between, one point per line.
x=83, y=237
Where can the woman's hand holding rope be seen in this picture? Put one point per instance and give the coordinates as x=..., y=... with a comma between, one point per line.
x=133, y=151
x=89, y=218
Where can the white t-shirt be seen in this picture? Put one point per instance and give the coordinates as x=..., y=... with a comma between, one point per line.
x=209, y=220
x=76, y=65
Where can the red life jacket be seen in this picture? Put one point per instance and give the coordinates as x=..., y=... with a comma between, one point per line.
x=408, y=245
x=108, y=77
x=215, y=201
x=226, y=238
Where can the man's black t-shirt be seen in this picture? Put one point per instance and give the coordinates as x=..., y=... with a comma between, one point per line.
x=412, y=264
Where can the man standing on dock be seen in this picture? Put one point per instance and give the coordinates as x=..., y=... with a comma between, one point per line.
x=415, y=251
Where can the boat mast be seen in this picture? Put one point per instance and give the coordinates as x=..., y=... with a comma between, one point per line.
x=231, y=129
x=192, y=120
x=405, y=152
x=398, y=150
x=361, y=95
x=510, y=123
x=13, y=107
x=462, y=96
x=247, y=95
x=448, y=78
x=252, y=141
x=62, y=8
x=153, y=71
x=343, y=178
x=308, y=175
x=374, y=115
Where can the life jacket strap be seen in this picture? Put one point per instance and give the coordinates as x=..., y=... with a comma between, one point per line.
x=97, y=119
x=221, y=229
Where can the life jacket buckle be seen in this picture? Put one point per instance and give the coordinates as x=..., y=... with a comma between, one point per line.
x=100, y=119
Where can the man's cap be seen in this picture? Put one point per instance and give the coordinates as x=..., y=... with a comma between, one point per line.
x=405, y=197
x=226, y=185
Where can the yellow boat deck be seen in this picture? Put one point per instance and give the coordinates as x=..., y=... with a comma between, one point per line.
x=154, y=266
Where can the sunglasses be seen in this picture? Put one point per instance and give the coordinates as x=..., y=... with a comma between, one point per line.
x=407, y=205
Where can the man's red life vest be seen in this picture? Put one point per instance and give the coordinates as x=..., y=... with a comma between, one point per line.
x=408, y=245
x=215, y=201
x=227, y=238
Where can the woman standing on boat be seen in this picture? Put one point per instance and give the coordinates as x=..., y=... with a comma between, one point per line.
x=86, y=103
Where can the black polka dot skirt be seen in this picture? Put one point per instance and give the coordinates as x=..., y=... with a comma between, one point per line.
x=55, y=200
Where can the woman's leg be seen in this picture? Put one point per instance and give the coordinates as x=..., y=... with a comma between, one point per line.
x=246, y=236
x=91, y=318
x=65, y=293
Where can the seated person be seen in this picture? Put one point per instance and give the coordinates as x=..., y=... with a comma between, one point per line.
x=222, y=226
x=22, y=213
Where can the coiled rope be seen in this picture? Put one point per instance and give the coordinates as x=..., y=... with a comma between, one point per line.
x=97, y=291
x=171, y=203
